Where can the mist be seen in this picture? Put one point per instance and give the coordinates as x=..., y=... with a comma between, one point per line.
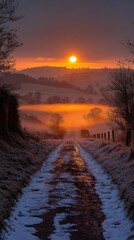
x=75, y=116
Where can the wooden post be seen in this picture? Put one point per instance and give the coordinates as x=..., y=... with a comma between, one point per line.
x=113, y=136
x=105, y=136
x=108, y=136
x=128, y=137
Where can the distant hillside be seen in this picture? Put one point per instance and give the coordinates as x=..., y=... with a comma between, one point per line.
x=46, y=71
x=17, y=79
x=78, y=77
x=49, y=90
x=94, y=77
x=76, y=85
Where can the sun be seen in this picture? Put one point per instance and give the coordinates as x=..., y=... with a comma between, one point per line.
x=73, y=59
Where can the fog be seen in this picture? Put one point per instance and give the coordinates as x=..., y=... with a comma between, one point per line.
x=75, y=116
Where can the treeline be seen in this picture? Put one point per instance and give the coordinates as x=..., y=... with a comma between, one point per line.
x=16, y=79
x=37, y=98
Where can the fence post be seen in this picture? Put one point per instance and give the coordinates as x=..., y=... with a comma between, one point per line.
x=108, y=135
x=113, y=136
x=105, y=136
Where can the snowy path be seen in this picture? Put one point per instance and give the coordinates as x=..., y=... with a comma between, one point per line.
x=60, y=203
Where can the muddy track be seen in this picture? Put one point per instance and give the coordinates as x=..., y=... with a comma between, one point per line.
x=76, y=205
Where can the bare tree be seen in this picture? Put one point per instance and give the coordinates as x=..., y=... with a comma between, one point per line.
x=120, y=97
x=56, y=124
x=9, y=116
x=93, y=115
x=8, y=38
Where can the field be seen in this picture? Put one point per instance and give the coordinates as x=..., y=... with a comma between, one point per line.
x=48, y=91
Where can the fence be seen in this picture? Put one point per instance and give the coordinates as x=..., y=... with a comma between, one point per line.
x=110, y=136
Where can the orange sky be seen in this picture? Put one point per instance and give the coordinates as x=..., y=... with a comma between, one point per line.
x=23, y=63
x=96, y=32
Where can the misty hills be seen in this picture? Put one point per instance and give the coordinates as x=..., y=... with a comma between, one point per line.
x=78, y=77
x=46, y=71
x=17, y=79
x=78, y=85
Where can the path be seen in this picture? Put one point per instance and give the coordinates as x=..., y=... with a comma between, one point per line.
x=74, y=207
x=61, y=203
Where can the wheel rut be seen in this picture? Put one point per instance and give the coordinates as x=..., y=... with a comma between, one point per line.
x=75, y=209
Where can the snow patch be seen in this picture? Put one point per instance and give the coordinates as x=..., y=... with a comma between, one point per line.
x=62, y=231
x=116, y=225
x=32, y=203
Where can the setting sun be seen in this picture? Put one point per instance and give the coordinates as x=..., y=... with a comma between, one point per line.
x=73, y=59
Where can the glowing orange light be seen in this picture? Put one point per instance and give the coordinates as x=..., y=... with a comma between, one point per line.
x=73, y=59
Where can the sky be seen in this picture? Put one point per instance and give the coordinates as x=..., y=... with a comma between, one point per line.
x=95, y=31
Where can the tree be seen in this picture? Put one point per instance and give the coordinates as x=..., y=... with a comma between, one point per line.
x=4, y=95
x=14, y=125
x=93, y=115
x=120, y=97
x=8, y=38
x=56, y=124
x=9, y=116
x=80, y=100
x=85, y=133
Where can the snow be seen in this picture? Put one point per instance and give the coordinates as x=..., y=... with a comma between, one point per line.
x=31, y=204
x=116, y=225
x=35, y=201
x=61, y=231
x=118, y=162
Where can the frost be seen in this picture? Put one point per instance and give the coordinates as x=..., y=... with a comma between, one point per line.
x=35, y=202
x=116, y=225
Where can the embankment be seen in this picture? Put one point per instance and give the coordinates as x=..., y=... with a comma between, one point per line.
x=19, y=160
x=118, y=162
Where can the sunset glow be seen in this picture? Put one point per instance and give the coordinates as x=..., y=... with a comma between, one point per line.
x=73, y=59
x=23, y=63
x=73, y=114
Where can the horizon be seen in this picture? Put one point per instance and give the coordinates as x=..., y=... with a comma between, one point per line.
x=25, y=64
x=67, y=68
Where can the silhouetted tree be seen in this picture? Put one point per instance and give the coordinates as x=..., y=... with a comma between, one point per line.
x=54, y=99
x=93, y=115
x=120, y=97
x=14, y=125
x=56, y=124
x=38, y=97
x=80, y=100
x=9, y=116
x=65, y=100
x=4, y=97
x=85, y=133
x=8, y=38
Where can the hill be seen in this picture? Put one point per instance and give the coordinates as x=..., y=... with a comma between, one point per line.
x=50, y=90
x=46, y=71
x=78, y=77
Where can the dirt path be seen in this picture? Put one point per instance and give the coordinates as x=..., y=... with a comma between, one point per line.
x=74, y=209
